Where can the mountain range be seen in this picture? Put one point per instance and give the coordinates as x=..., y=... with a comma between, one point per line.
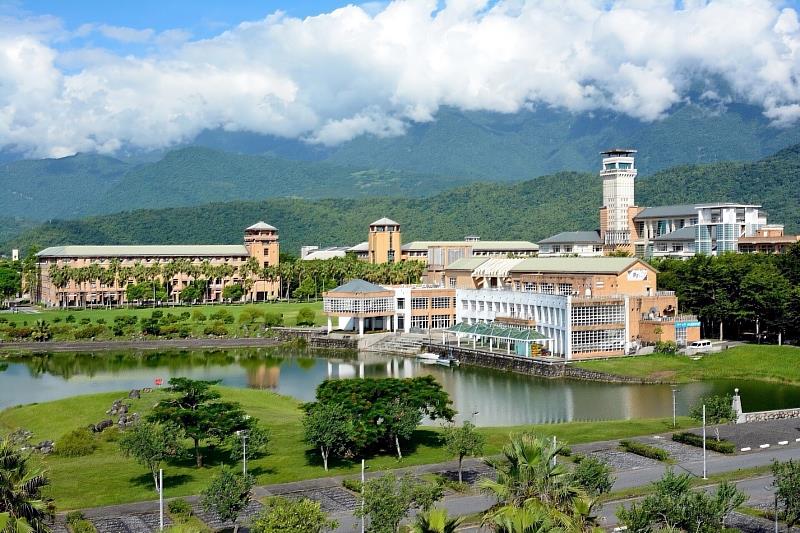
x=530, y=210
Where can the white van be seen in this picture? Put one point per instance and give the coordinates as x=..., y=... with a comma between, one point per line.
x=699, y=347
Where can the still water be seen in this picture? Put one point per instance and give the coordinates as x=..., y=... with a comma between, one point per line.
x=498, y=398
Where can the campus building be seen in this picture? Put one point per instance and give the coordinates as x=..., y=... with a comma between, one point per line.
x=678, y=231
x=384, y=245
x=173, y=266
x=567, y=308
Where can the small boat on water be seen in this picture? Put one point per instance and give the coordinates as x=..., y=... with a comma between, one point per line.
x=447, y=362
x=428, y=356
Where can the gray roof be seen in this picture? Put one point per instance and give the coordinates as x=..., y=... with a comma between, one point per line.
x=360, y=247
x=573, y=236
x=686, y=233
x=156, y=250
x=385, y=222
x=261, y=225
x=683, y=210
x=478, y=246
x=359, y=286
x=595, y=265
x=467, y=263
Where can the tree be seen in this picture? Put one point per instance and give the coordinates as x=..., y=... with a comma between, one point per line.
x=374, y=406
x=194, y=291
x=388, y=499
x=257, y=442
x=329, y=428
x=10, y=280
x=463, y=441
x=436, y=521
x=151, y=444
x=306, y=317
x=199, y=413
x=787, y=488
x=529, y=478
x=233, y=292
x=400, y=422
x=719, y=410
x=674, y=506
x=228, y=495
x=22, y=507
x=282, y=515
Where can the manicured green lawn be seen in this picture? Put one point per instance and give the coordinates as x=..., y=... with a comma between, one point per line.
x=106, y=477
x=766, y=363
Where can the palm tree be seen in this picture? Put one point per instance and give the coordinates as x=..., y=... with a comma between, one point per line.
x=530, y=477
x=436, y=521
x=22, y=507
x=526, y=519
x=41, y=332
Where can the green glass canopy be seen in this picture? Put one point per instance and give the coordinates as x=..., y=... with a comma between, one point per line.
x=497, y=331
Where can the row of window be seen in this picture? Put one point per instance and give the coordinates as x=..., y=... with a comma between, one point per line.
x=608, y=340
x=598, y=314
x=358, y=305
x=437, y=302
x=435, y=322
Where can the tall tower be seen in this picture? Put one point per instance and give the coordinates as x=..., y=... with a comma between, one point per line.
x=618, y=175
x=384, y=241
x=261, y=241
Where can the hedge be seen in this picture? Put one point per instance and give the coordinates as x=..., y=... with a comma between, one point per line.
x=645, y=450
x=722, y=446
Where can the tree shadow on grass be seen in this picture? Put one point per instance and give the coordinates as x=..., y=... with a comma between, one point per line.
x=170, y=480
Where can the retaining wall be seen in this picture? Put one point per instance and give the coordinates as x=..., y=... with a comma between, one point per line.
x=525, y=365
x=316, y=338
x=778, y=414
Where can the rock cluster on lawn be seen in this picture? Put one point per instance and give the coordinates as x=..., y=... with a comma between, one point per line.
x=102, y=425
x=45, y=447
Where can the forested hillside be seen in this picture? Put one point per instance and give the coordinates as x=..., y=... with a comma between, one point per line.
x=91, y=184
x=528, y=210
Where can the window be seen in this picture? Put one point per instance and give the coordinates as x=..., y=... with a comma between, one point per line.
x=480, y=306
x=452, y=283
x=440, y=302
x=401, y=304
x=530, y=286
x=517, y=285
x=441, y=321
x=419, y=303
x=610, y=340
x=565, y=289
x=597, y=248
x=556, y=248
x=567, y=249
x=599, y=283
x=592, y=315
x=419, y=322
x=548, y=288
x=677, y=247
x=464, y=304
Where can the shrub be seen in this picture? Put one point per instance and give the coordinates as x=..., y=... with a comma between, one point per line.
x=157, y=314
x=184, y=331
x=74, y=516
x=250, y=315
x=19, y=333
x=185, y=315
x=594, y=475
x=352, y=484
x=272, y=320
x=645, y=450
x=215, y=329
x=169, y=329
x=82, y=526
x=117, y=330
x=233, y=292
x=84, y=321
x=61, y=329
x=56, y=319
x=126, y=320
x=150, y=326
x=666, y=347
x=76, y=443
x=179, y=509
x=198, y=316
x=305, y=317
x=4, y=320
x=101, y=321
x=722, y=446
x=111, y=434
x=89, y=331
x=70, y=318
x=221, y=314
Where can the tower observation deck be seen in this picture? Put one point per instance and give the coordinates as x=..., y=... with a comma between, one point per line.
x=618, y=174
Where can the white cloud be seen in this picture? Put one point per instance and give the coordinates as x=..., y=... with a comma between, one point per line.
x=375, y=69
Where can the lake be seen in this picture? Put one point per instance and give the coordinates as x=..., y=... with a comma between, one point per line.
x=497, y=398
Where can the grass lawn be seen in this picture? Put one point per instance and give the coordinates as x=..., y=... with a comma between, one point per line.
x=106, y=477
x=765, y=363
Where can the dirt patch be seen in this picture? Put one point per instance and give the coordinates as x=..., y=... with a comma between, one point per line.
x=663, y=375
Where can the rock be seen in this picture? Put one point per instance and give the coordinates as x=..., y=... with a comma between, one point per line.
x=45, y=447
x=20, y=436
x=134, y=394
x=102, y=425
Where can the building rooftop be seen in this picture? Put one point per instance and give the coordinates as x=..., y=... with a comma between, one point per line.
x=359, y=286
x=686, y=233
x=594, y=265
x=327, y=253
x=385, y=222
x=467, y=263
x=496, y=267
x=567, y=237
x=478, y=246
x=261, y=225
x=153, y=250
x=682, y=210
x=360, y=247
x=616, y=152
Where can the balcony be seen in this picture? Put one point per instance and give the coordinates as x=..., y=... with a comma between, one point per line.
x=676, y=318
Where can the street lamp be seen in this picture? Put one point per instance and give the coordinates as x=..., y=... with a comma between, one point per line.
x=704, y=443
x=768, y=487
x=675, y=391
x=244, y=434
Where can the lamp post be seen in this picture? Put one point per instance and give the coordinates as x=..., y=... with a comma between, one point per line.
x=363, y=486
x=704, y=443
x=770, y=487
x=243, y=433
x=675, y=391
x=161, y=499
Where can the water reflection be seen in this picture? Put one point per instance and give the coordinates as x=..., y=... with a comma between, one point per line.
x=485, y=396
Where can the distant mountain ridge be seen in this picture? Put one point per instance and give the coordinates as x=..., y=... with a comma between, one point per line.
x=529, y=210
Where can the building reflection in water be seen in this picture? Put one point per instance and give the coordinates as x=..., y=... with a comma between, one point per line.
x=264, y=377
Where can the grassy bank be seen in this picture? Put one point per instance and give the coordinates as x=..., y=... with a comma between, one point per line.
x=181, y=321
x=105, y=477
x=765, y=363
